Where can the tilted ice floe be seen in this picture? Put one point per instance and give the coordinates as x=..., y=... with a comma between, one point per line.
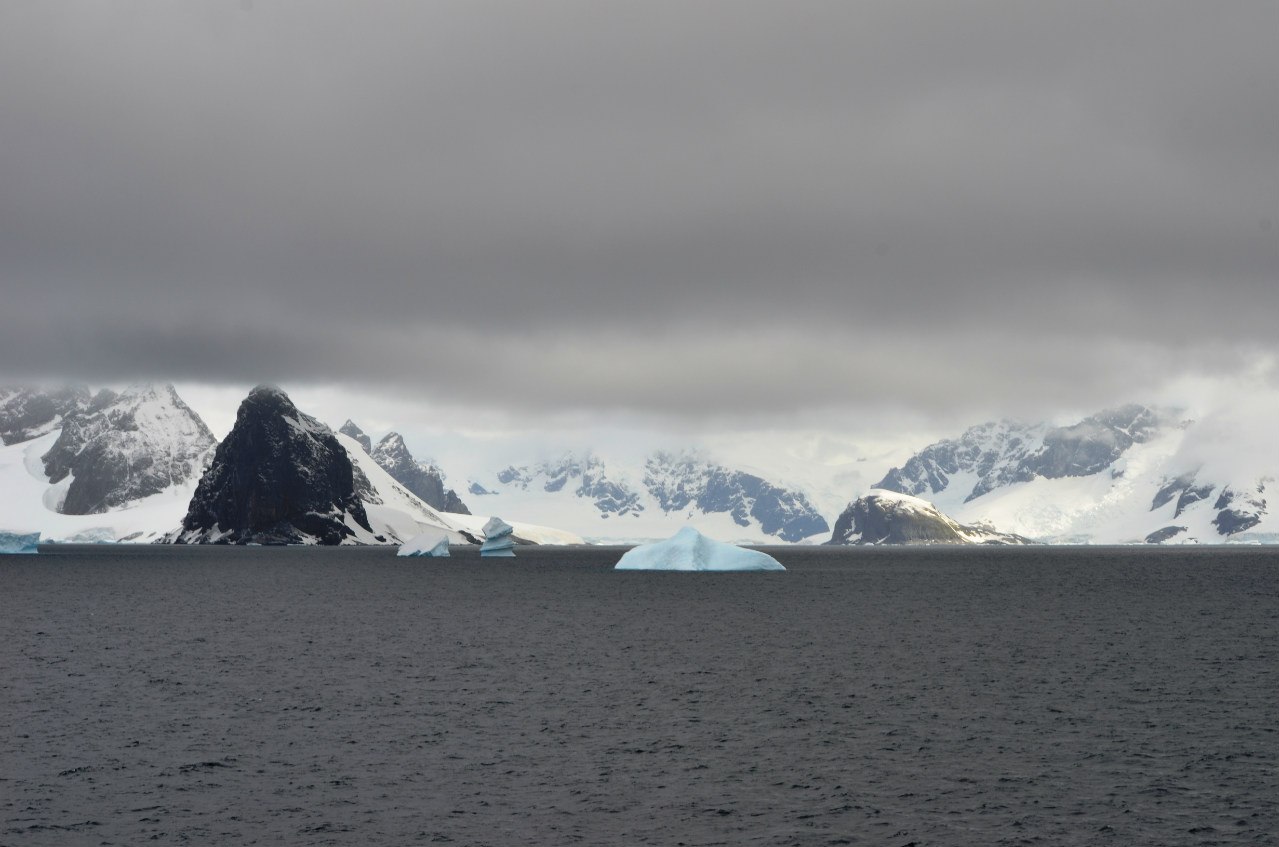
x=431, y=543
x=689, y=550
x=497, y=538
x=19, y=542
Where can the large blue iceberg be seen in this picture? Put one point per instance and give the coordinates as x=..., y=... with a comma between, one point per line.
x=431, y=543
x=689, y=550
x=19, y=542
x=497, y=538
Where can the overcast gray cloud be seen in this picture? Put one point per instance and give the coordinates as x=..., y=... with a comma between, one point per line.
x=705, y=208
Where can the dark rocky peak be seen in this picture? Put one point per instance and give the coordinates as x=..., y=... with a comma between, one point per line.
x=350, y=430
x=279, y=477
x=123, y=447
x=27, y=412
x=424, y=479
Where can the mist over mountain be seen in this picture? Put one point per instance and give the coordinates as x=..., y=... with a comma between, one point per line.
x=1123, y=475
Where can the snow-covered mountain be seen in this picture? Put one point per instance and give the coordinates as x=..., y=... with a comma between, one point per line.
x=126, y=447
x=609, y=499
x=889, y=517
x=1124, y=475
x=99, y=467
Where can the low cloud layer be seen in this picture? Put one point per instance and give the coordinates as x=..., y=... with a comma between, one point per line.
x=682, y=208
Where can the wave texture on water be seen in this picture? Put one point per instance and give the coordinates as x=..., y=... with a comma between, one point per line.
x=890, y=697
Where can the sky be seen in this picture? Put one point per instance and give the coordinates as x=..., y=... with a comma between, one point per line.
x=709, y=217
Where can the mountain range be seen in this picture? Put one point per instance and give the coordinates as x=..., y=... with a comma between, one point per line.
x=142, y=466
x=137, y=464
x=603, y=499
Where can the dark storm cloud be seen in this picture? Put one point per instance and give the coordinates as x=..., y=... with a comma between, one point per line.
x=674, y=206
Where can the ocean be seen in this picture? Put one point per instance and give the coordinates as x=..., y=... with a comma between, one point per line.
x=298, y=696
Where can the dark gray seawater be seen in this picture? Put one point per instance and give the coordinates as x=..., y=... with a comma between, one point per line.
x=893, y=697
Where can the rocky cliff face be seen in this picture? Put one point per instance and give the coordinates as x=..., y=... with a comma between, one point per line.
x=884, y=517
x=426, y=480
x=279, y=477
x=120, y=448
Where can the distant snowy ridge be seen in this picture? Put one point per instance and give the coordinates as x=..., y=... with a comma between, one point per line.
x=669, y=490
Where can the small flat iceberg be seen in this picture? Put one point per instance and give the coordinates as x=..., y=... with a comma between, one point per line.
x=689, y=550
x=497, y=538
x=431, y=543
x=19, y=542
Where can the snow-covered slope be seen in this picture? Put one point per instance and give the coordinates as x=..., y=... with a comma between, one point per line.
x=399, y=514
x=28, y=501
x=103, y=467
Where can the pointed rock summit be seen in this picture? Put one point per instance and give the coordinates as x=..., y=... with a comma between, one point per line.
x=279, y=477
x=350, y=429
x=426, y=480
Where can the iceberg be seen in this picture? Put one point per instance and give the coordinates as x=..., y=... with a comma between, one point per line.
x=19, y=542
x=433, y=543
x=689, y=550
x=497, y=538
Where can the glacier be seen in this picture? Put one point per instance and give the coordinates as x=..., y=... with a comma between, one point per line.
x=434, y=543
x=689, y=550
x=497, y=538
x=19, y=542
